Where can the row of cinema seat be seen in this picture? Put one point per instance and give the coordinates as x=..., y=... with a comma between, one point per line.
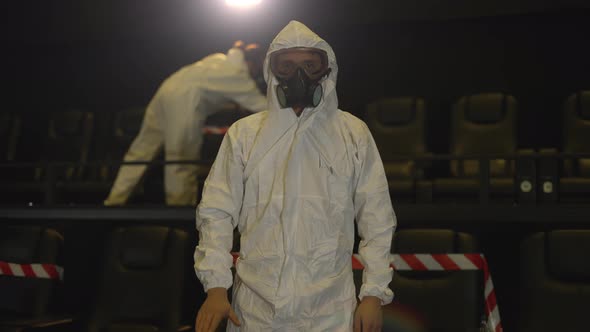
x=140, y=285
x=85, y=149
x=138, y=288
x=74, y=137
x=481, y=124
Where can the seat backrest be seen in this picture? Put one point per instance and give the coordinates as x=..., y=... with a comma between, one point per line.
x=141, y=284
x=26, y=297
x=69, y=135
x=483, y=124
x=123, y=129
x=398, y=127
x=10, y=127
x=447, y=300
x=555, y=281
x=22, y=139
x=127, y=123
x=576, y=132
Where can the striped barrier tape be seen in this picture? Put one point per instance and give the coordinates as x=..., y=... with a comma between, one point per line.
x=42, y=271
x=449, y=262
x=445, y=262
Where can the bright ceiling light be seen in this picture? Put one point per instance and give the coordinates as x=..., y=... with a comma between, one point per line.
x=242, y=3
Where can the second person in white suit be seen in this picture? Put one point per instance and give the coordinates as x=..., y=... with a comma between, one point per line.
x=176, y=114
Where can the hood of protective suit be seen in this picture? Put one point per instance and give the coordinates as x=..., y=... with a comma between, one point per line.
x=296, y=34
x=279, y=120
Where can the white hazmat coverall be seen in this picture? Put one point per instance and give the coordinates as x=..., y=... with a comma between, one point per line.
x=175, y=116
x=293, y=186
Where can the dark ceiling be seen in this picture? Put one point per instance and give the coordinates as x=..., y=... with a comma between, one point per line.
x=67, y=21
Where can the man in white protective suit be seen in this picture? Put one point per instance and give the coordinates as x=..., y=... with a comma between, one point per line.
x=176, y=114
x=293, y=179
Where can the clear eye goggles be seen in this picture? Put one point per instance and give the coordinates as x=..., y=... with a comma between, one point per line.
x=285, y=63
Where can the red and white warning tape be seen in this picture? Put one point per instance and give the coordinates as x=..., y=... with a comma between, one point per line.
x=215, y=130
x=446, y=262
x=42, y=271
x=449, y=262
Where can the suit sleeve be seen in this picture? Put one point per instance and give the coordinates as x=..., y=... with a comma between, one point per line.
x=249, y=97
x=217, y=216
x=232, y=80
x=376, y=221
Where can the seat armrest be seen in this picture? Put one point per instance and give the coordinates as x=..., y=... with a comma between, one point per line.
x=548, y=151
x=525, y=152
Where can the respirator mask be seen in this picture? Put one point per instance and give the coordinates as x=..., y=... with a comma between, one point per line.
x=299, y=71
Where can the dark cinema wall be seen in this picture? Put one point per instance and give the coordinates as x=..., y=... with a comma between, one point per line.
x=106, y=55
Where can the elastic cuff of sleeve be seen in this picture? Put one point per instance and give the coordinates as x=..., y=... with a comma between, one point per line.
x=216, y=284
x=213, y=280
x=383, y=293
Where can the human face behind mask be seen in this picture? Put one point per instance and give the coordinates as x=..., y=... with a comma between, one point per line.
x=299, y=72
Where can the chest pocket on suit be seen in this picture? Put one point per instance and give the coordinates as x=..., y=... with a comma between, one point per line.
x=338, y=181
